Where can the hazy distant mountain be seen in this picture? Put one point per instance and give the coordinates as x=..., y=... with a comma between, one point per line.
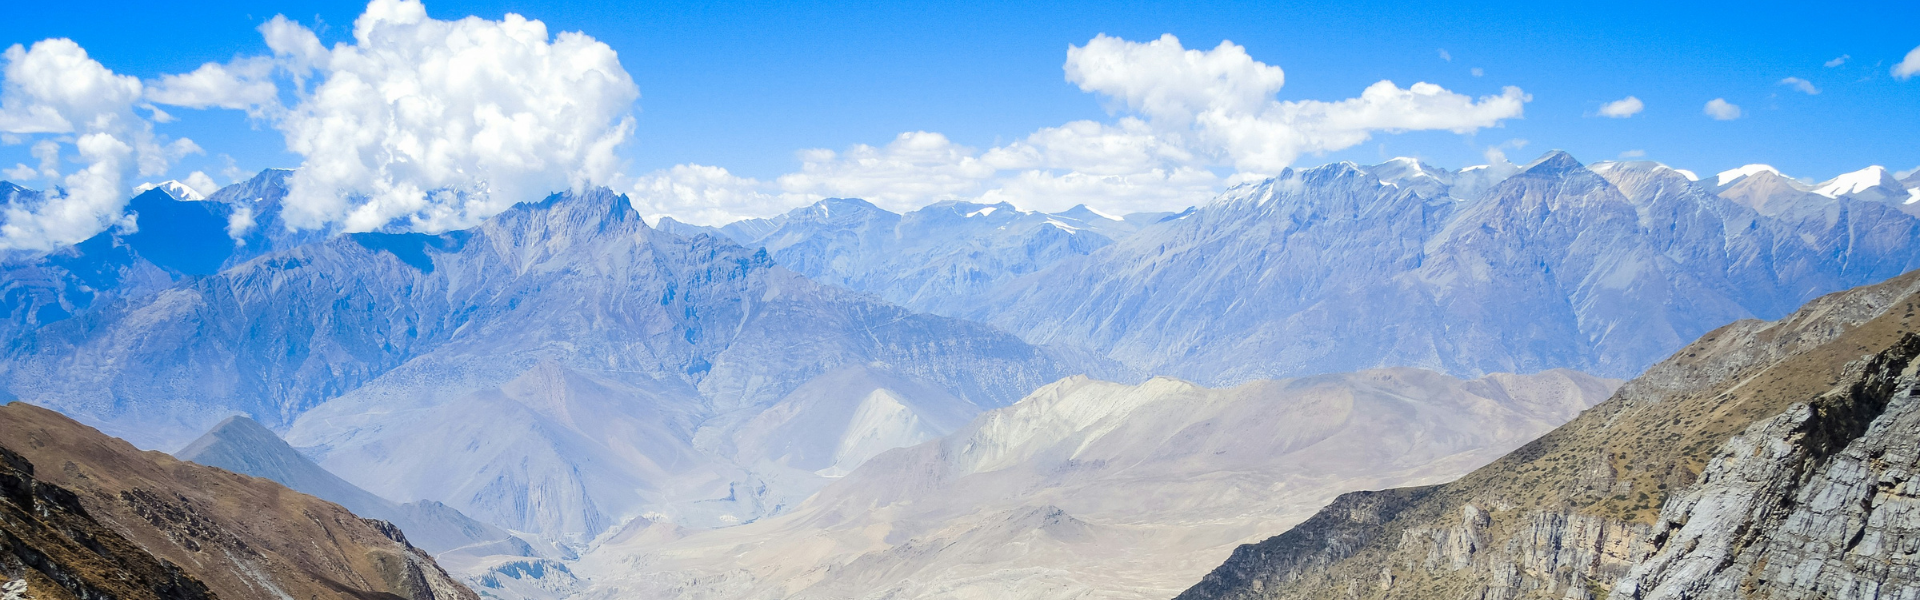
x=1764, y=460
x=1092, y=489
x=941, y=259
x=556, y=370
x=1335, y=268
x=240, y=445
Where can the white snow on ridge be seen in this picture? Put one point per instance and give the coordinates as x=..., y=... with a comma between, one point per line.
x=174, y=188
x=984, y=212
x=1857, y=181
x=1730, y=175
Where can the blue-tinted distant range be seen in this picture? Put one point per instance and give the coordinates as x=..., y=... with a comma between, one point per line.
x=984, y=301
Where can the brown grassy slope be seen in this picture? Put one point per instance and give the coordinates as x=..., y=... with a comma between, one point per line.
x=1566, y=514
x=244, y=537
x=49, y=540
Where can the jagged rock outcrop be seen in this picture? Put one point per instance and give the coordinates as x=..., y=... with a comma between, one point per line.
x=240, y=536
x=1765, y=460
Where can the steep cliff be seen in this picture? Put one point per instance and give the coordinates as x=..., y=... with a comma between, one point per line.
x=241, y=536
x=1763, y=460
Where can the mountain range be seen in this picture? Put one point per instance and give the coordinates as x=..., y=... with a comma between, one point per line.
x=846, y=401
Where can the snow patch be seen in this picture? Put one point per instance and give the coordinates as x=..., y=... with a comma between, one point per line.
x=983, y=212
x=1855, y=182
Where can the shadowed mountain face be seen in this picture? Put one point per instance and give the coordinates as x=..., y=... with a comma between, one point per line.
x=1765, y=460
x=240, y=536
x=589, y=367
x=241, y=445
x=1604, y=269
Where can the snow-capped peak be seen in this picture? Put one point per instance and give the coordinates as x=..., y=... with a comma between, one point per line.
x=174, y=188
x=1730, y=175
x=1857, y=181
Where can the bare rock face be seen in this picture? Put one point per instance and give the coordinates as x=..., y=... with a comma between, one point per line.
x=1814, y=502
x=1765, y=460
x=240, y=536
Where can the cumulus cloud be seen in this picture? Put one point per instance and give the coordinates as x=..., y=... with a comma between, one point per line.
x=1800, y=85
x=55, y=92
x=1180, y=115
x=1908, y=66
x=916, y=167
x=1622, y=108
x=443, y=123
x=1221, y=102
x=1838, y=60
x=242, y=84
x=708, y=195
x=1722, y=110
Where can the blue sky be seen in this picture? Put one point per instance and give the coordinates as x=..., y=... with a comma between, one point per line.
x=745, y=86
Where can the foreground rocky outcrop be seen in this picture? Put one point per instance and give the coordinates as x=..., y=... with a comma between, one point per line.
x=52, y=548
x=1765, y=460
x=84, y=508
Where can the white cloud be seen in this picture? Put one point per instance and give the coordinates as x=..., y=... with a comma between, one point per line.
x=1633, y=154
x=1722, y=110
x=1838, y=60
x=1622, y=108
x=917, y=167
x=1477, y=71
x=21, y=172
x=1221, y=103
x=54, y=91
x=1800, y=85
x=1182, y=114
x=1908, y=66
x=242, y=84
x=1165, y=82
x=1444, y=55
x=436, y=124
x=708, y=195
x=200, y=182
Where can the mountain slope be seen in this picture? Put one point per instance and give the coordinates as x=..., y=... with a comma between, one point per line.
x=1759, y=461
x=1336, y=268
x=241, y=445
x=59, y=551
x=1089, y=488
x=242, y=537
